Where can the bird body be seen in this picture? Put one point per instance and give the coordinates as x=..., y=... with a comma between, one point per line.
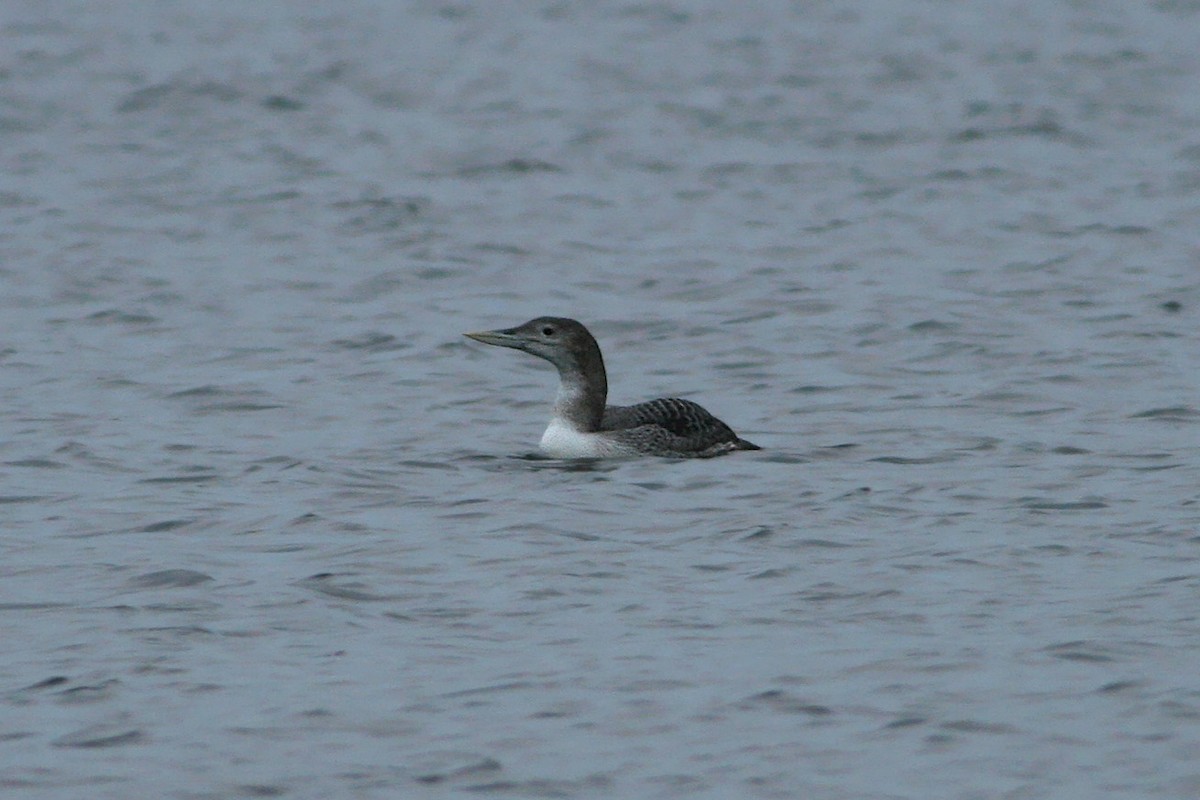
x=584, y=426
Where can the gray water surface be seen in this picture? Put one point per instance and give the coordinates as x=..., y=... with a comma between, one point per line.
x=270, y=527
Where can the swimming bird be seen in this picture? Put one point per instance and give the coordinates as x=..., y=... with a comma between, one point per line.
x=584, y=427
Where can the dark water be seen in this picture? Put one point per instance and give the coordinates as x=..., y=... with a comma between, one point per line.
x=267, y=525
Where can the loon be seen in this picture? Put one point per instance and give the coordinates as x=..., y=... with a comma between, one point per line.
x=584, y=427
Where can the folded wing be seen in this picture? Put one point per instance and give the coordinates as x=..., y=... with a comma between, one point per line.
x=672, y=425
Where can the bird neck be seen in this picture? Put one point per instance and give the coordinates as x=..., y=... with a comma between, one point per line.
x=582, y=391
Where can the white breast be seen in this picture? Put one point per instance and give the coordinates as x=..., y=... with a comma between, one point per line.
x=562, y=440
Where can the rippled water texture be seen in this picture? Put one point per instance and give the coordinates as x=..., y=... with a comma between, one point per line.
x=269, y=523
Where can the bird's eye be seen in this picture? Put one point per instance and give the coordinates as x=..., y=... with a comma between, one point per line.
x=547, y=331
